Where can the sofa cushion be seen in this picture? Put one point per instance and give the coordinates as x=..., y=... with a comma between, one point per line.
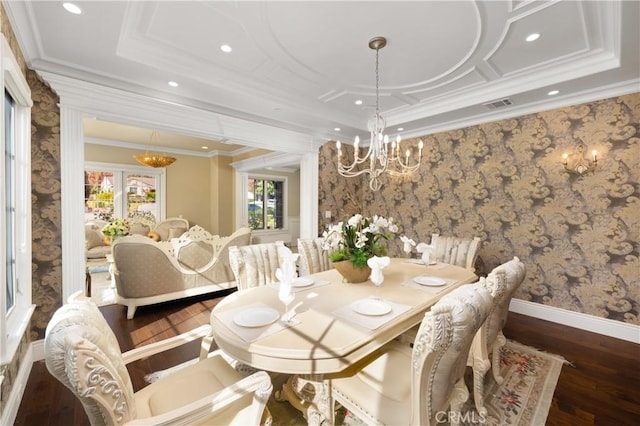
x=92, y=238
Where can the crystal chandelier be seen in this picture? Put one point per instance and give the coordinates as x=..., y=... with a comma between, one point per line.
x=383, y=155
x=154, y=159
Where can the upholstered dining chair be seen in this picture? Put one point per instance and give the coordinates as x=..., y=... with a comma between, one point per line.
x=313, y=258
x=82, y=352
x=502, y=282
x=455, y=251
x=256, y=264
x=410, y=386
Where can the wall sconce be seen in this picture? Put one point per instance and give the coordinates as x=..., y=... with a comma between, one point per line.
x=582, y=166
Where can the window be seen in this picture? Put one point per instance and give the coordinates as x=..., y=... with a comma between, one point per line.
x=15, y=205
x=112, y=190
x=266, y=202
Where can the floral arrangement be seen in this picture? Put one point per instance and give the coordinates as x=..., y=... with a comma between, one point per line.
x=358, y=239
x=116, y=228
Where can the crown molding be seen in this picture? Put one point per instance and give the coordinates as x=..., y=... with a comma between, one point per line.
x=137, y=110
x=272, y=161
x=137, y=146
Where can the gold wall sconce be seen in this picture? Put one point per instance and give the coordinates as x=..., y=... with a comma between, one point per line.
x=582, y=165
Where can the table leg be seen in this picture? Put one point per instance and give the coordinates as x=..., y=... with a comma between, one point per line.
x=310, y=394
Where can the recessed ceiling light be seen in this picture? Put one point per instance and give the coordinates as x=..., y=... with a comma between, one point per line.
x=358, y=102
x=533, y=37
x=337, y=129
x=204, y=147
x=226, y=48
x=553, y=92
x=173, y=84
x=72, y=8
x=400, y=129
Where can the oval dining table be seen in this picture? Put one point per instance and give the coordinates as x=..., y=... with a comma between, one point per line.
x=337, y=324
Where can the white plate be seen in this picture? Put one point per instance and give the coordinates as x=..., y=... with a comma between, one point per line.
x=256, y=317
x=371, y=307
x=302, y=282
x=430, y=281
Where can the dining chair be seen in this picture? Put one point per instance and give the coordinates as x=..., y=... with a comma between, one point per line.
x=256, y=264
x=82, y=352
x=489, y=338
x=313, y=258
x=455, y=250
x=412, y=386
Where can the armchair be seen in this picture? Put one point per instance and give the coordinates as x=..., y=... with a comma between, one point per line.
x=409, y=386
x=82, y=352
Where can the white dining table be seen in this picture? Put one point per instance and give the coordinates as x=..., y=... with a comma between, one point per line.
x=330, y=331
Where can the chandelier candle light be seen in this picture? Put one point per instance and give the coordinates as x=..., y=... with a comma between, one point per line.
x=380, y=156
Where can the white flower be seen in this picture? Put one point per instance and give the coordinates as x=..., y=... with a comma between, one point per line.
x=355, y=220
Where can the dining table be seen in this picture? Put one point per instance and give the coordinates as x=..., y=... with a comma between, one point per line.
x=336, y=325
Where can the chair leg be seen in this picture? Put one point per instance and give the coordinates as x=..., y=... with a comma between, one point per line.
x=497, y=345
x=459, y=397
x=480, y=368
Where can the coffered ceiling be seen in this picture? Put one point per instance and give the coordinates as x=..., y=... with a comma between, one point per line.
x=302, y=66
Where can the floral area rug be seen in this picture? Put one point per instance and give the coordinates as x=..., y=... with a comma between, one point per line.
x=524, y=397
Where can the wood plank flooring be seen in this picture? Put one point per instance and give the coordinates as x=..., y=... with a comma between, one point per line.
x=602, y=387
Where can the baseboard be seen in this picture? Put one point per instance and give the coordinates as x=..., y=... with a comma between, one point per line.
x=10, y=410
x=604, y=326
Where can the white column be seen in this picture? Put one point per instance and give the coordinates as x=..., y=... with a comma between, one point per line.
x=72, y=202
x=309, y=195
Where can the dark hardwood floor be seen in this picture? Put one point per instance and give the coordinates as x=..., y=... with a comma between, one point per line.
x=601, y=387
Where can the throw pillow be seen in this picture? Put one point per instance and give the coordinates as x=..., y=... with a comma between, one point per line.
x=92, y=239
x=175, y=232
x=154, y=236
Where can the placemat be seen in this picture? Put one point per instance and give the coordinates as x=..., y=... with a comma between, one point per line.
x=412, y=284
x=436, y=266
x=370, y=322
x=316, y=283
x=250, y=334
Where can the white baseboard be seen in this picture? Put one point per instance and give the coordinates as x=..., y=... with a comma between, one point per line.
x=12, y=406
x=607, y=327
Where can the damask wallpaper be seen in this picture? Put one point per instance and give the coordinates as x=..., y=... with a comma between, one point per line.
x=504, y=182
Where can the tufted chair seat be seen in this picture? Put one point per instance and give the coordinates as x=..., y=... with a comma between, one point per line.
x=82, y=352
x=400, y=385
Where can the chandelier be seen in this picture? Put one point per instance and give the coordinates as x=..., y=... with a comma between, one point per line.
x=154, y=159
x=383, y=154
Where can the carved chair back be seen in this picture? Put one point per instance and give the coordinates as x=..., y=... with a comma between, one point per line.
x=313, y=258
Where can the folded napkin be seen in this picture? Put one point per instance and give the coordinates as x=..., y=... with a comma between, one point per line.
x=432, y=289
x=251, y=334
x=370, y=322
x=316, y=283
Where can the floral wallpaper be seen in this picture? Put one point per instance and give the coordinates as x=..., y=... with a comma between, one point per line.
x=504, y=182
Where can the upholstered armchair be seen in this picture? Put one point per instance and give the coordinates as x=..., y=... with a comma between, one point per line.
x=171, y=228
x=400, y=385
x=455, y=251
x=255, y=265
x=94, y=240
x=82, y=352
x=313, y=258
x=148, y=272
x=503, y=281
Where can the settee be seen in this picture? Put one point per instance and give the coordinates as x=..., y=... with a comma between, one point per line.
x=148, y=272
x=98, y=247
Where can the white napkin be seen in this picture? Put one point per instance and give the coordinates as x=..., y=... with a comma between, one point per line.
x=425, y=249
x=377, y=264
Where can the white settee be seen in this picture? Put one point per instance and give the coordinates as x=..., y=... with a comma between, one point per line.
x=98, y=247
x=148, y=272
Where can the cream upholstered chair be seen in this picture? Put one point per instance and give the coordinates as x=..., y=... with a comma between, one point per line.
x=410, y=386
x=503, y=281
x=172, y=227
x=455, y=251
x=256, y=264
x=83, y=353
x=313, y=258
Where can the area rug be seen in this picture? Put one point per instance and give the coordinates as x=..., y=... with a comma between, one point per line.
x=522, y=399
x=102, y=292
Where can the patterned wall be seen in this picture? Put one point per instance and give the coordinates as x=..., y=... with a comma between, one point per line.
x=504, y=182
